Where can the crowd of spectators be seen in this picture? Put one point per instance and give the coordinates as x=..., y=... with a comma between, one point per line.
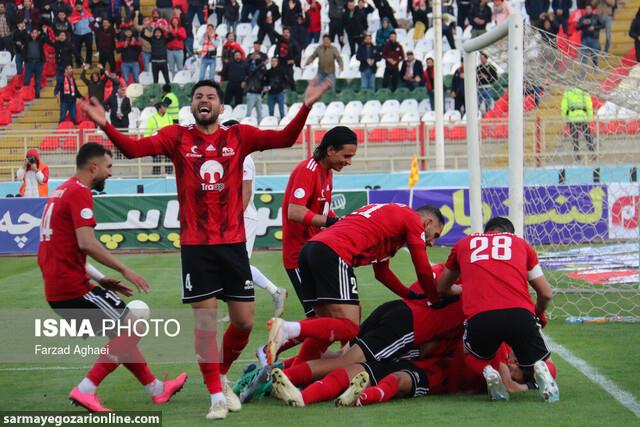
x=162, y=42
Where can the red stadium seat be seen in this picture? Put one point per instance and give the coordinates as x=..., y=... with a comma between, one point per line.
x=65, y=127
x=500, y=132
x=80, y=114
x=84, y=126
x=456, y=133
x=8, y=93
x=70, y=144
x=378, y=135
x=50, y=143
x=5, y=117
x=27, y=93
x=318, y=135
x=16, y=105
x=398, y=134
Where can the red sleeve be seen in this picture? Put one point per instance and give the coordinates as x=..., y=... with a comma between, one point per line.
x=266, y=139
x=163, y=141
x=81, y=207
x=423, y=270
x=385, y=276
x=452, y=261
x=302, y=187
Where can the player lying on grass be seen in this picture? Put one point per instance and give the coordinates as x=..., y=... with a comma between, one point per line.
x=66, y=238
x=378, y=382
x=391, y=330
x=208, y=162
x=498, y=268
x=370, y=235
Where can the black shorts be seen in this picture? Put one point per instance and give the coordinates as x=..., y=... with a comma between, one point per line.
x=378, y=370
x=387, y=333
x=216, y=271
x=96, y=305
x=326, y=278
x=294, y=276
x=484, y=333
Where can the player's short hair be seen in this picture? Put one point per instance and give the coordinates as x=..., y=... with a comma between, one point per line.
x=433, y=211
x=166, y=88
x=89, y=151
x=499, y=224
x=209, y=83
x=337, y=137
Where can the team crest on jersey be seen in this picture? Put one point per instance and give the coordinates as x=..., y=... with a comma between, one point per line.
x=228, y=151
x=211, y=172
x=194, y=152
x=86, y=213
x=299, y=193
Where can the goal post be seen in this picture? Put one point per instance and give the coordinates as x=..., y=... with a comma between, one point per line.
x=513, y=30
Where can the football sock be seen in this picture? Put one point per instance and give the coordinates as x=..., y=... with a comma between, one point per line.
x=103, y=367
x=262, y=281
x=289, y=344
x=233, y=342
x=291, y=329
x=217, y=397
x=300, y=374
x=155, y=387
x=86, y=386
x=207, y=355
x=289, y=362
x=327, y=388
x=139, y=368
x=311, y=349
x=386, y=390
x=328, y=329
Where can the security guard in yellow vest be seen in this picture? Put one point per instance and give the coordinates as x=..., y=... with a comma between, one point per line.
x=172, y=101
x=157, y=121
x=577, y=109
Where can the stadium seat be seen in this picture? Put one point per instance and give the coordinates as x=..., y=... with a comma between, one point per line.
x=243, y=29
x=424, y=106
x=390, y=106
x=335, y=107
x=27, y=93
x=293, y=110
x=353, y=108
x=372, y=107
x=5, y=117
x=70, y=144
x=313, y=120
x=285, y=121
x=455, y=133
x=145, y=78
x=239, y=112
x=349, y=119
x=429, y=116
x=252, y=121
x=50, y=143
x=318, y=110
x=411, y=117
x=452, y=116
x=144, y=116
x=408, y=105
x=398, y=134
x=309, y=73
x=5, y=57
x=65, y=126
x=330, y=119
x=378, y=135
x=369, y=118
x=390, y=118
x=16, y=105
x=183, y=77
x=185, y=117
x=269, y=121
x=607, y=110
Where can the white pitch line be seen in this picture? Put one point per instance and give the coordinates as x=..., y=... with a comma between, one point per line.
x=625, y=398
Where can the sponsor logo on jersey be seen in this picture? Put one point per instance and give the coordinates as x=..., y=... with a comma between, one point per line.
x=211, y=148
x=194, y=152
x=299, y=193
x=248, y=285
x=211, y=172
x=228, y=151
x=86, y=213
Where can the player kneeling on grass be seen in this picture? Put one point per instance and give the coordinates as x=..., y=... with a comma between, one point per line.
x=66, y=238
x=370, y=235
x=498, y=268
x=393, y=329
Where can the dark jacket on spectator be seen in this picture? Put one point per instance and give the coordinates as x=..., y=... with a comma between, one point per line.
x=355, y=22
x=418, y=70
x=393, y=50
x=158, y=46
x=535, y=8
x=565, y=5
x=276, y=80
x=264, y=10
x=256, y=80
x=235, y=72
x=34, y=16
x=58, y=6
x=125, y=107
x=487, y=74
x=482, y=12
x=587, y=21
x=20, y=38
x=64, y=53
x=64, y=97
x=231, y=11
x=94, y=88
x=368, y=51
x=287, y=50
x=289, y=16
x=40, y=41
x=62, y=27
x=130, y=52
x=105, y=39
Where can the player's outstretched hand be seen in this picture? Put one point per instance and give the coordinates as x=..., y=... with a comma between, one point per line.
x=137, y=280
x=542, y=319
x=115, y=285
x=315, y=90
x=414, y=295
x=95, y=111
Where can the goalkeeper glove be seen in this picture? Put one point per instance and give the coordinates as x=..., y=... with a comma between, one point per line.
x=541, y=318
x=331, y=220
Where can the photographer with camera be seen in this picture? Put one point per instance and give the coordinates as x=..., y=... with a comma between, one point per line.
x=34, y=175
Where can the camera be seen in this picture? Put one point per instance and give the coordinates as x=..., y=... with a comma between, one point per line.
x=31, y=160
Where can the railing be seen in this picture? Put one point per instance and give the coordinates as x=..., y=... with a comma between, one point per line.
x=382, y=147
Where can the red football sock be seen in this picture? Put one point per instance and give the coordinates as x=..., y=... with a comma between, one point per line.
x=207, y=354
x=289, y=362
x=140, y=369
x=233, y=342
x=289, y=344
x=120, y=347
x=386, y=390
x=103, y=367
x=311, y=349
x=300, y=374
x=327, y=388
x=328, y=329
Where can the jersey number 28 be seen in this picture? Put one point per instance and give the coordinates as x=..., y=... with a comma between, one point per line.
x=500, y=248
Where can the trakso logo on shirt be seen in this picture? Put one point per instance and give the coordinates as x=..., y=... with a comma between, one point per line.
x=211, y=171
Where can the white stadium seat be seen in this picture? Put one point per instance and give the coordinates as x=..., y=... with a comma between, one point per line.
x=269, y=121
x=390, y=118
x=353, y=108
x=369, y=119
x=372, y=106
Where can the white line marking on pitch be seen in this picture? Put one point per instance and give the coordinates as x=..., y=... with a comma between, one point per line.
x=625, y=398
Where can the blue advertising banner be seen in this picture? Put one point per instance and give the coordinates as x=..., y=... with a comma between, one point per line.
x=20, y=225
x=553, y=214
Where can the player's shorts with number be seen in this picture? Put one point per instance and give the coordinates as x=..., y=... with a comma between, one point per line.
x=216, y=271
x=326, y=278
x=96, y=305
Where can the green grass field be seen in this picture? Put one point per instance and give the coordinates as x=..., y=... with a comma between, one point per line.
x=613, y=349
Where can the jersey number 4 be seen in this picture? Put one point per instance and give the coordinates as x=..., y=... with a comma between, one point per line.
x=500, y=248
x=45, y=227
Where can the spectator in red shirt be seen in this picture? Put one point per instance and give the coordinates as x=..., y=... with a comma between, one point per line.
x=175, y=47
x=315, y=22
x=231, y=46
x=429, y=81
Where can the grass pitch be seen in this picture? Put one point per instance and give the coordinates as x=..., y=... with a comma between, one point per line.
x=613, y=349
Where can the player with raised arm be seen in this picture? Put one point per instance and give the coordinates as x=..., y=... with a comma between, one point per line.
x=306, y=204
x=498, y=267
x=66, y=238
x=370, y=235
x=208, y=162
x=278, y=295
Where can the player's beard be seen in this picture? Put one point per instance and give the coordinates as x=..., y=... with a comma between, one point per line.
x=213, y=117
x=99, y=186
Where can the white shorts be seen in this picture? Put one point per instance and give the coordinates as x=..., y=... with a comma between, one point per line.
x=250, y=229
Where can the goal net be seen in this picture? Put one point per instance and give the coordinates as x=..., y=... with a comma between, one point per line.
x=581, y=131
